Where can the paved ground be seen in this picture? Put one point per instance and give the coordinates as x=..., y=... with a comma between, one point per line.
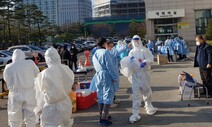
x=172, y=112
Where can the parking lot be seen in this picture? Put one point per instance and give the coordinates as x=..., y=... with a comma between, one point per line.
x=172, y=111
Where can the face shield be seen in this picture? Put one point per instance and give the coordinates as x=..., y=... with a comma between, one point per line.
x=136, y=42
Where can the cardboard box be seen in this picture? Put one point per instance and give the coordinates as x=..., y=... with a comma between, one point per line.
x=162, y=59
x=73, y=98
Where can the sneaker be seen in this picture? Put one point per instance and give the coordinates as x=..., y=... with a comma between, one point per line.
x=103, y=122
x=134, y=118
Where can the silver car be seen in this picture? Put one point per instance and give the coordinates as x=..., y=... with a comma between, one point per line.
x=1, y=63
x=29, y=50
x=6, y=57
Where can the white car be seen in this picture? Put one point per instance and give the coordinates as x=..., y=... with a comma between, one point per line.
x=90, y=43
x=29, y=50
x=6, y=57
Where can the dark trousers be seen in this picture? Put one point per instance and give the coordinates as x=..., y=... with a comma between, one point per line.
x=206, y=76
x=170, y=57
x=73, y=63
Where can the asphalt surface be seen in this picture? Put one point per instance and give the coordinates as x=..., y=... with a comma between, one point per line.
x=172, y=112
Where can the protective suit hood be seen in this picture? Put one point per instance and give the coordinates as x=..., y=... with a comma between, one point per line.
x=18, y=55
x=52, y=57
x=136, y=42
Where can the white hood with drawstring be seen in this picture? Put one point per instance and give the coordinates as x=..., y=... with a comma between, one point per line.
x=19, y=77
x=53, y=86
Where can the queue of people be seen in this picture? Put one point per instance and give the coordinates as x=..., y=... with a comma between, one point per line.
x=68, y=57
x=173, y=47
x=43, y=97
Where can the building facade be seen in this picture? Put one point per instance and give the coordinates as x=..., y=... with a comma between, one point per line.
x=117, y=15
x=186, y=18
x=104, y=8
x=62, y=12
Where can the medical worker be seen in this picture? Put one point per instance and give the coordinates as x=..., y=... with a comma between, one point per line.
x=178, y=47
x=150, y=46
x=159, y=44
x=119, y=47
x=52, y=87
x=105, y=78
x=170, y=49
x=19, y=76
x=135, y=67
x=115, y=54
x=185, y=48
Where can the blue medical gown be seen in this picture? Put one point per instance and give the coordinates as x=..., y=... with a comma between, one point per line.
x=170, y=46
x=105, y=75
x=93, y=50
x=115, y=53
x=150, y=46
x=178, y=46
x=123, y=51
x=184, y=48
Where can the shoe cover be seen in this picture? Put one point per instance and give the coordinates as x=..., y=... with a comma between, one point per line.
x=134, y=118
x=150, y=110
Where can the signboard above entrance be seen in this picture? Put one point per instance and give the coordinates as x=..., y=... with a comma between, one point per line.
x=183, y=25
x=159, y=14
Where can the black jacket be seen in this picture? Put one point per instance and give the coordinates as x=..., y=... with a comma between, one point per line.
x=65, y=54
x=73, y=52
x=203, y=56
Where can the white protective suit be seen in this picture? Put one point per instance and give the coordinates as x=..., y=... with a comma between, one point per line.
x=19, y=76
x=52, y=88
x=139, y=77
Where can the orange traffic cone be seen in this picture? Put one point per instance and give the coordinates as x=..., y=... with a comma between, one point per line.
x=87, y=62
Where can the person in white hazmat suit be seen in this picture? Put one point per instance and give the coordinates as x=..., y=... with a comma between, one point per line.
x=135, y=66
x=52, y=88
x=19, y=76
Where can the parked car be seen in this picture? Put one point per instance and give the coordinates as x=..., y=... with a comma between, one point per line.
x=79, y=49
x=1, y=63
x=83, y=48
x=6, y=57
x=29, y=50
x=91, y=43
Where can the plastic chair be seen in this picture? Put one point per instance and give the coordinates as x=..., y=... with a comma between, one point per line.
x=190, y=82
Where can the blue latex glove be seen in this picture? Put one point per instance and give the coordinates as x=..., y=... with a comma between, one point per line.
x=143, y=64
x=131, y=58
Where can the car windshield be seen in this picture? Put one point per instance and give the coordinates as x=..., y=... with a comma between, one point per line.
x=34, y=47
x=8, y=53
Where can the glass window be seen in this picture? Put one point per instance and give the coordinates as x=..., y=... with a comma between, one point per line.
x=201, y=18
x=25, y=49
x=2, y=55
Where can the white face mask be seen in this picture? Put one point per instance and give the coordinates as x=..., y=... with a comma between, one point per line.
x=197, y=43
x=136, y=44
